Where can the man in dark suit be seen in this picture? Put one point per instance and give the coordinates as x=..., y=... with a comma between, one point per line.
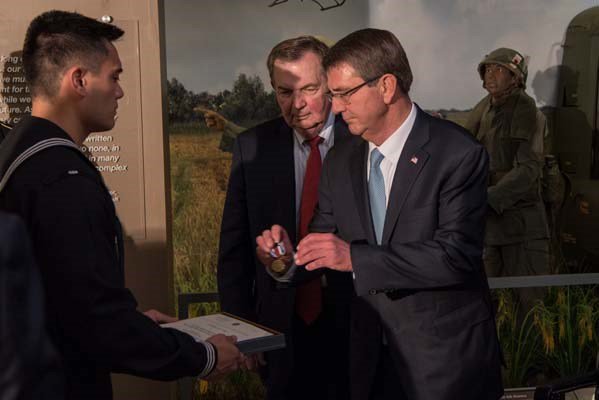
x=272, y=175
x=73, y=70
x=402, y=210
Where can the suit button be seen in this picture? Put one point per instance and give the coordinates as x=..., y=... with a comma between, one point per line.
x=372, y=291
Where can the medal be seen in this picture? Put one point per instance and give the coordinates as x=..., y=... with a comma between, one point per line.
x=278, y=266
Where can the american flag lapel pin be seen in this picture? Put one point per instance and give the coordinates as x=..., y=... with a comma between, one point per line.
x=414, y=160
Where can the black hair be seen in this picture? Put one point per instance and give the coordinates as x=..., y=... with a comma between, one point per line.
x=55, y=39
x=372, y=53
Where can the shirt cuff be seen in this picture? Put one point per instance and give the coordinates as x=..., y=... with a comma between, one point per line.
x=211, y=358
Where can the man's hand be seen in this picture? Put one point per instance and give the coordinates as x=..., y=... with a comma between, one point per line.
x=323, y=250
x=159, y=317
x=253, y=361
x=228, y=356
x=266, y=242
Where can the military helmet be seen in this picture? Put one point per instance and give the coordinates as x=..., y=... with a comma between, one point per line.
x=510, y=59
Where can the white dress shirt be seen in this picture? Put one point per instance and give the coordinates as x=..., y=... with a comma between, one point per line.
x=391, y=150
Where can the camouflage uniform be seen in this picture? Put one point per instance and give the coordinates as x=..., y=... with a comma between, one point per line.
x=511, y=129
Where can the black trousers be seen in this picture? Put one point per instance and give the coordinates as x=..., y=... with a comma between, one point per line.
x=387, y=384
x=320, y=355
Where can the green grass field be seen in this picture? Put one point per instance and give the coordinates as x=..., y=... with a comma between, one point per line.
x=199, y=175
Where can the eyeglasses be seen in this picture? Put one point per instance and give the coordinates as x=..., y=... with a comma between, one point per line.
x=344, y=97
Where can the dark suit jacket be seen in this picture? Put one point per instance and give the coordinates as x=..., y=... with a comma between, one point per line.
x=261, y=193
x=425, y=286
x=30, y=366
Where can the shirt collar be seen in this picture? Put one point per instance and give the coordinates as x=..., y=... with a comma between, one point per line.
x=326, y=132
x=392, y=147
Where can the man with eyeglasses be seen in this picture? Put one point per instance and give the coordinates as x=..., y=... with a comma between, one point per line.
x=274, y=179
x=401, y=210
x=509, y=125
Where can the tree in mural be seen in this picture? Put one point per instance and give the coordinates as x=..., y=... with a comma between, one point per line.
x=246, y=104
x=181, y=102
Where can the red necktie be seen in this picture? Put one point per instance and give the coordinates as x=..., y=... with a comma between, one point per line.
x=308, y=298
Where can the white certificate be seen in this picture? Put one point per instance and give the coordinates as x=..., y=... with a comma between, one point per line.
x=251, y=337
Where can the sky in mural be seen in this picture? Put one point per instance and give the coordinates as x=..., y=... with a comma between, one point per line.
x=210, y=42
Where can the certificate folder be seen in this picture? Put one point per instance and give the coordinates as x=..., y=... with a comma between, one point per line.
x=251, y=337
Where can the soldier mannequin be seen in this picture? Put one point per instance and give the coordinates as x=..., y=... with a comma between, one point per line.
x=511, y=128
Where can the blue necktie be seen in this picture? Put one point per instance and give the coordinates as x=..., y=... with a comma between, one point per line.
x=376, y=192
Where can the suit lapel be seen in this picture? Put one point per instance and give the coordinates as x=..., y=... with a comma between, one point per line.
x=358, y=159
x=357, y=168
x=412, y=160
x=340, y=129
x=283, y=166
